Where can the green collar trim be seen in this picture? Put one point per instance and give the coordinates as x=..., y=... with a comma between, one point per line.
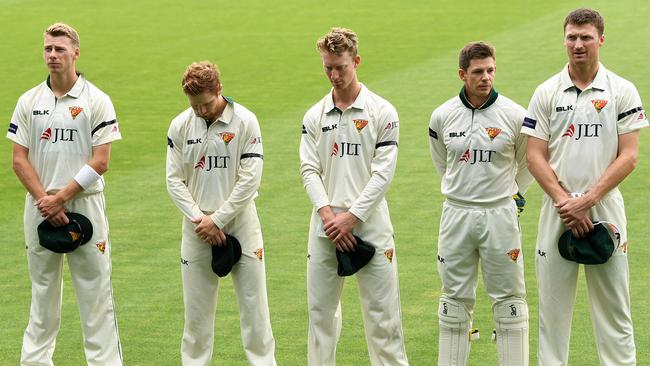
x=490, y=100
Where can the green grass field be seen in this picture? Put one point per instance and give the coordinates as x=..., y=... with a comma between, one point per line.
x=136, y=51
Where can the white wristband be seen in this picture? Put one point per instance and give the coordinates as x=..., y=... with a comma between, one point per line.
x=86, y=176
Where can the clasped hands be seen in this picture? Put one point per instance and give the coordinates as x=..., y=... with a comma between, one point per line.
x=338, y=228
x=52, y=209
x=574, y=212
x=208, y=231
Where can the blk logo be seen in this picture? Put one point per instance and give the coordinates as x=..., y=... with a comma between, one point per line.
x=441, y=259
x=41, y=113
x=59, y=134
x=474, y=156
x=194, y=141
x=583, y=130
x=564, y=109
x=255, y=140
x=329, y=128
x=445, y=308
x=457, y=134
x=212, y=162
x=345, y=148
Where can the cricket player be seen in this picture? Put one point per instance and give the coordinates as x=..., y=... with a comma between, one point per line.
x=62, y=131
x=477, y=148
x=348, y=154
x=214, y=168
x=583, y=126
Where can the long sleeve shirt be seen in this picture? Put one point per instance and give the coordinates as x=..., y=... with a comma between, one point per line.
x=214, y=168
x=348, y=158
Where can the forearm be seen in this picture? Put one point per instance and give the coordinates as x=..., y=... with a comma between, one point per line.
x=613, y=176
x=182, y=198
x=316, y=190
x=382, y=172
x=29, y=178
x=546, y=178
x=242, y=194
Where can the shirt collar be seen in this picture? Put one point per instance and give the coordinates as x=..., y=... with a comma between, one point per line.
x=358, y=103
x=600, y=81
x=490, y=100
x=228, y=111
x=77, y=88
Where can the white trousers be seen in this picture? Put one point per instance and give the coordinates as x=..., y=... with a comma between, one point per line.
x=378, y=290
x=90, y=270
x=607, y=289
x=201, y=285
x=489, y=234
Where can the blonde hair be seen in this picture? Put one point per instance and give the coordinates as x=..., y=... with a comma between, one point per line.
x=63, y=30
x=200, y=77
x=339, y=40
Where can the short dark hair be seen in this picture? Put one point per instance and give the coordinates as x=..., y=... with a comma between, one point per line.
x=586, y=16
x=474, y=50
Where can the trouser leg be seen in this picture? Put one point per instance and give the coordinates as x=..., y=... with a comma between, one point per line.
x=249, y=279
x=502, y=263
x=379, y=293
x=556, y=282
x=90, y=269
x=200, y=287
x=324, y=288
x=608, y=290
x=46, y=274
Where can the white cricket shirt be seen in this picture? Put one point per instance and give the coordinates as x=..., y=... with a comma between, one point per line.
x=348, y=158
x=61, y=132
x=582, y=128
x=214, y=168
x=479, y=152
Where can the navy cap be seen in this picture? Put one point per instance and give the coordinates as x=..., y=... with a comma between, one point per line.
x=66, y=238
x=351, y=262
x=224, y=257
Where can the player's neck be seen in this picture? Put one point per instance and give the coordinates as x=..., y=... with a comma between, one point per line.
x=62, y=83
x=343, y=98
x=582, y=75
x=477, y=101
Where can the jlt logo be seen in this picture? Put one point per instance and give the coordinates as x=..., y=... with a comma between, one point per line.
x=213, y=162
x=474, y=156
x=345, y=148
x=59, y=134
x=583, y=130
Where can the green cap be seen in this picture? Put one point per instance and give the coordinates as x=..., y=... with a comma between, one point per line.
x=595, y=248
